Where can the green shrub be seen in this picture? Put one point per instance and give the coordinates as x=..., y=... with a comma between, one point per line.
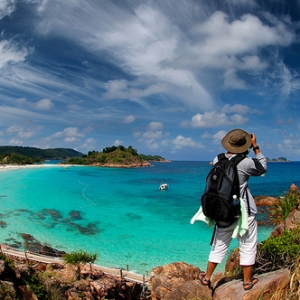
x=281, y=251
x=286, y=205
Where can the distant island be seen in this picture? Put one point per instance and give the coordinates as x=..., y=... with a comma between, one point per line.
x=279, y=159
x=115, y=156
x=30, y=155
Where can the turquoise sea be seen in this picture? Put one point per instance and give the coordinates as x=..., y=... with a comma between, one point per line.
x=121, y=214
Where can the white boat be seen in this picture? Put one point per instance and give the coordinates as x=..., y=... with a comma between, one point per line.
x=163, y=186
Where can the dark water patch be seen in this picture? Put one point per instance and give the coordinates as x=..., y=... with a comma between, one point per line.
x=13, y=243
x=90, y=229
x=3, y=224
x=55, y=214
x=41, y=215
x=34, y=245
x=133, y=216
x=75, y=215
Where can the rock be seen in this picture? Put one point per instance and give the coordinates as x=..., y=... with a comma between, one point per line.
x=233, y=262
x=178, y=280
x=278, y=231
x=293, y=219
x=291, y=222
x=27, y=294
x=7, y=289
x=266, y=201
x=293, y=188
x=268, y=283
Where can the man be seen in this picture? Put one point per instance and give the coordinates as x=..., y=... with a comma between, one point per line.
x=238, y=141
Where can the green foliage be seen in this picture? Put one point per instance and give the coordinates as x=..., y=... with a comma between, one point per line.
x=151, y=157
x=18, y=159
x=80, y=256
x=37, y=286
x=286, y=244
x=286, y=205
x=280, y=251
x=7, y=260
x=36, y=153
x=110, y=155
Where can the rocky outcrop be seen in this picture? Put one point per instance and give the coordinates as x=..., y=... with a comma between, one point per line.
x=179, y=281
x=266, y=201
x=264, y=289
x=23, y=281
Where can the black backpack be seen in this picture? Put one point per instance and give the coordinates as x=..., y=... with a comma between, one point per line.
x=220, y=201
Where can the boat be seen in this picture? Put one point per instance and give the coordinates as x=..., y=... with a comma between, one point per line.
x=163, y=186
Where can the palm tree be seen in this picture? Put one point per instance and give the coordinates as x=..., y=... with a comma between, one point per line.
x=79, y=257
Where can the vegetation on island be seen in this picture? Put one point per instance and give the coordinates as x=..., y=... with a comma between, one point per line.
x=115, y=155
x=279, y=159
x=19, y=159
x=31, y=155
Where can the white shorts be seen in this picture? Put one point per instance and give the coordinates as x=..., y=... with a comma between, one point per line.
x=247, y=243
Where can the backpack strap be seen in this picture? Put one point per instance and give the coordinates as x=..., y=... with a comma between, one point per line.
x=222, y=156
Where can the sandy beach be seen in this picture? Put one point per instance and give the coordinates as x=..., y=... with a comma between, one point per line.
x=17, y=167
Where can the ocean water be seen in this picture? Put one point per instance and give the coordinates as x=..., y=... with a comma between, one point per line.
x=121, y=214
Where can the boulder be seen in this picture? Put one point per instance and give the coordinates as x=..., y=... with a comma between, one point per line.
x=178, y=280
x=291, y=222
x=268, y=283
x=293, y=188
x=293, y=219
x=266, y=201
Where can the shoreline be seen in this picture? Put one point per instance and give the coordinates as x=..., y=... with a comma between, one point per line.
x=17, y=167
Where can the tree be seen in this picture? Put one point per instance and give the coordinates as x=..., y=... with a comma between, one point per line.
x=79, y=257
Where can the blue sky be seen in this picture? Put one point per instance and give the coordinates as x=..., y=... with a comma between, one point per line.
x=164, y=76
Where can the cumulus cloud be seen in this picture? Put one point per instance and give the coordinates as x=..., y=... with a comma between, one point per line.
x=118, y=142
x=155, y=125
x=181, y=142
x=44, y=104
x=89, y=144
x=214, y=119
x=24, y=130
x=70, y=134
x=129, y=119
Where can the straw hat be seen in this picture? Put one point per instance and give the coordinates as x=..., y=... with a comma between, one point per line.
x=237, y=141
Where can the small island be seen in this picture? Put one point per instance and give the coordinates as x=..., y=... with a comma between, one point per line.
x=279, y=159
x=117, y=157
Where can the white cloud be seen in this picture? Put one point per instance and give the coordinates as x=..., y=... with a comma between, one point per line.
x=89, y=144
x=181, y=142
x=219, y=135
x=44, y=104
x=68, y=135
x=118, y=142
x=214, y=119
x=10, y=53
x=7, y=7
x=153, y=134
x=24, y=130
x=155, y=125
x=129, y=119
x=232, y=81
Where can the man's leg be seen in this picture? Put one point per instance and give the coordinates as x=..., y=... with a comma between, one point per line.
x=210, y=269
